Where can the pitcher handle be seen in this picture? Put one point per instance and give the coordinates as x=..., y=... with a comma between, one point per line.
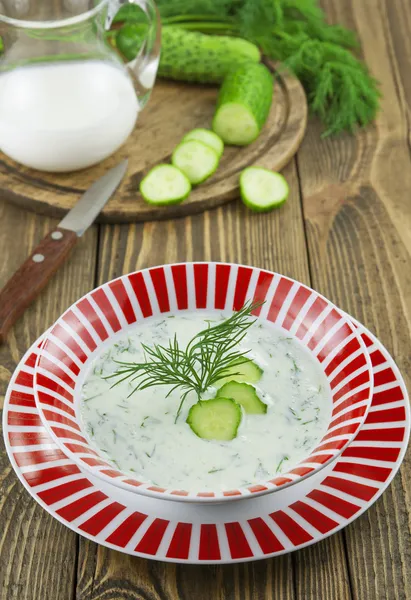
x=143, y=68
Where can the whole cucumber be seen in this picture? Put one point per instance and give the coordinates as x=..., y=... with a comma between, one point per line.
x=196, y=57
x=243, y=104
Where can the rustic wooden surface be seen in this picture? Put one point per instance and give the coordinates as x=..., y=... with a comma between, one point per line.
x=346, y=230
x=173, y=110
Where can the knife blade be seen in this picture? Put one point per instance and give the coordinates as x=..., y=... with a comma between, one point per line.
x=85, y=211
x=52, y=251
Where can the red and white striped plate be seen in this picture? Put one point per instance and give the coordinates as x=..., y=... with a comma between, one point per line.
x=261, y=527
x=110, y=310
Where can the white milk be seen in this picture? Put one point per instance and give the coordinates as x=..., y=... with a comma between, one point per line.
x=66, y=116
x=138, y=433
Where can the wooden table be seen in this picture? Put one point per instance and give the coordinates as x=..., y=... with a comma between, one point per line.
x=346, y=231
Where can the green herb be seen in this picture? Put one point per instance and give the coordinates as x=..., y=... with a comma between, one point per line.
x=280, y=464
x=143, y=424
x=102, y=416
x=207, y=358
x=295, y=368
x=294, y=413
x=261, y=471
x=307, y=422
x=152, y=452
x=114, y=435
x=339, y=87
x=215, y=470
x=91, y=398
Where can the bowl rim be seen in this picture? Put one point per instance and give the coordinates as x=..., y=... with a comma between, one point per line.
x=218, y=497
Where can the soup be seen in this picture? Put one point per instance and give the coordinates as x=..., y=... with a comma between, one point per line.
x=140, y=434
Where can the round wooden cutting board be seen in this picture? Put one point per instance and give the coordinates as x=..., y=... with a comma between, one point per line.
x=173, y=110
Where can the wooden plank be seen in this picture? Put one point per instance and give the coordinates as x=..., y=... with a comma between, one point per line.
x=274, y=241
x=321, y=571
x=107, y=574
x=358, y=221
x=37, y=553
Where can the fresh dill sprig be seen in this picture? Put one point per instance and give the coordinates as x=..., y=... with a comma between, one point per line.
x=205, y=360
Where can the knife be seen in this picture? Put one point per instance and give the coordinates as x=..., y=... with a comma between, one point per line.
x=46, y=258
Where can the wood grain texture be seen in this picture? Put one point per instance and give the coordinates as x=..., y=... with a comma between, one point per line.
x=173, y=110
x=38, y=555
x=356, y=196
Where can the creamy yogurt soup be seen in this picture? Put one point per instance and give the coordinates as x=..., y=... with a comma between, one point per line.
x=139, y=435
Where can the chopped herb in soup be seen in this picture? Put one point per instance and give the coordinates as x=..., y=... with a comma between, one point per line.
x=179, y=407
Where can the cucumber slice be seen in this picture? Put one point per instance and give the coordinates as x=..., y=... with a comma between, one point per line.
x=196, y=160
x=215, y=419
x=236, y=125
x=164, y=185
x=244, y=394
x=247, y=371
x=243, y=104
x=207, y=137
x=263, y=190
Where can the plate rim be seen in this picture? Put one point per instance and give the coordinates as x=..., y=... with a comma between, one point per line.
x=144, y=489
x=341, y=525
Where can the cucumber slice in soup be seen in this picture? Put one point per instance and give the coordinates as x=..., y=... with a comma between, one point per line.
x=164, y=185
x=215, y=419
x=196, y=160
x=244, y=394
x=247, y=372
x=263, y=190
x=207, y=137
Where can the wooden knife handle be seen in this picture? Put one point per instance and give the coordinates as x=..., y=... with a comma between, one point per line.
x=32, y=276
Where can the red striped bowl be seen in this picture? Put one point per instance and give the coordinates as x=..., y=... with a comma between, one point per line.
x=122, y=303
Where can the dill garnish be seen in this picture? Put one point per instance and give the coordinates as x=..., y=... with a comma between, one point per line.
x=205, y=360
x=91, y=397
x=294, y=413
x=280, y=464
x=152, y=452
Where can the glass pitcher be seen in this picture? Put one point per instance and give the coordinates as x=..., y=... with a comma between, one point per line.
x=67, y=98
